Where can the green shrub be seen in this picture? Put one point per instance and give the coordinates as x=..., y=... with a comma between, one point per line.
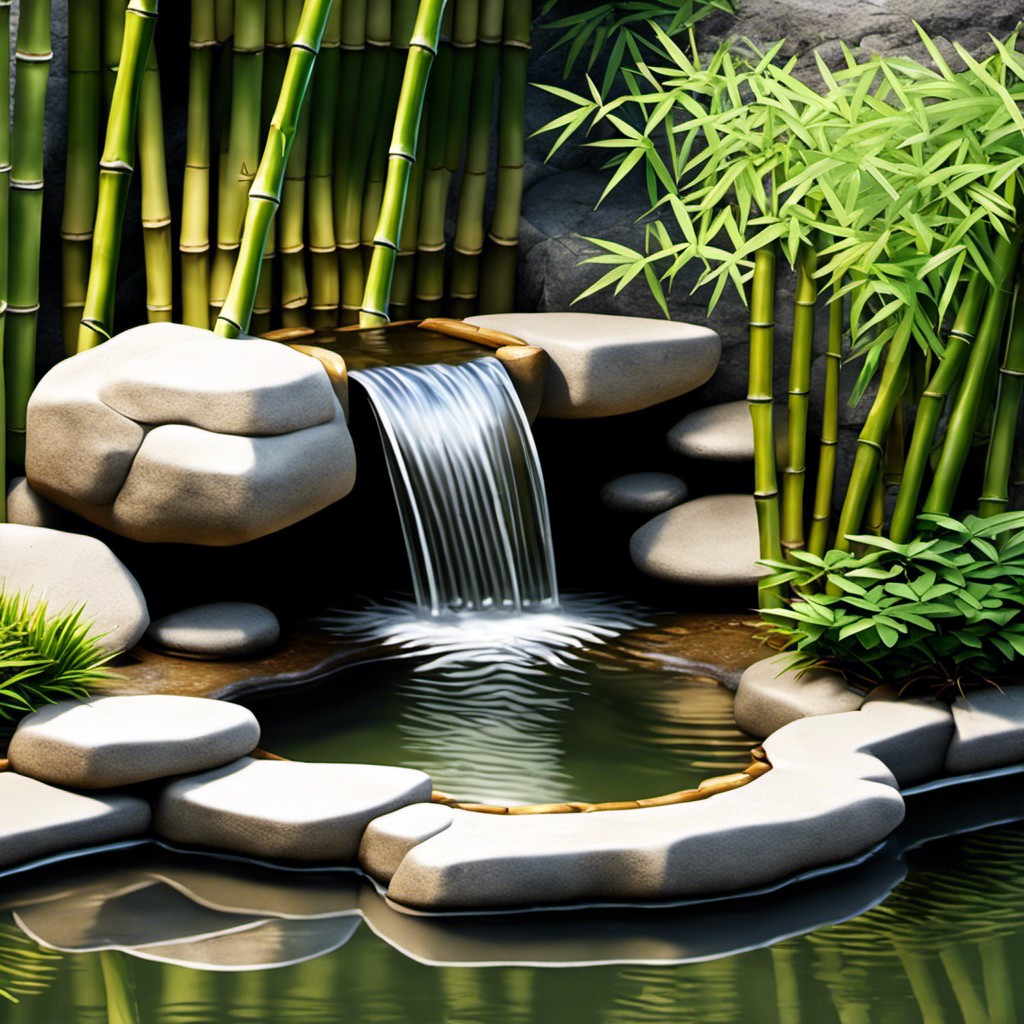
x=43, y=658
x=944, y=610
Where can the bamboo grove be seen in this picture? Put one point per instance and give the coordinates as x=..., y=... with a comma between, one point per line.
x=893, y=191
x=350, y=201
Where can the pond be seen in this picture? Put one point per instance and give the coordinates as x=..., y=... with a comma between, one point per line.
x=927, y=928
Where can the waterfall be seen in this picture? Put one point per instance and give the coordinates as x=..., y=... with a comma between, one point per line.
x=468, y=484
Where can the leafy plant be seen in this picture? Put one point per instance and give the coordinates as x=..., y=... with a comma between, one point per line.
x=945, y=609
x=43, y=658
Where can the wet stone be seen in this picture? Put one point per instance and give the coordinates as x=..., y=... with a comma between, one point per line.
x=988, y=730
x=226, y=629
x=117, y=741
x=644, y=492
x=285, y=810
x=37, y=820
x=723, y=433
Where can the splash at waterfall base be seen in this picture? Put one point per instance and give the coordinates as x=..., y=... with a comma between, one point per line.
x=833, y=791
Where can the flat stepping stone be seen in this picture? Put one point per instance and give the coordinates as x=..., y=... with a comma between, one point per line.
x=285, y=810
x=105, y=742
x=832, y=794
x=988, y=730
x=37, y=820
x=604, y=365
x=770, y=696
x=226, y=629
x=644, y=492
x=724, y=433
x=69, y=570
x=707, y=542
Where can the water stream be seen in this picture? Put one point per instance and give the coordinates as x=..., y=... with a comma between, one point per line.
x=468, y=484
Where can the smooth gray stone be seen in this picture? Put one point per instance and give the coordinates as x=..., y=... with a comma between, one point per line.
x=604, y=365
x=169, y=434
x=226, y=629
x=644, y=492
x=724, y=433
x=285, y=810
x=26, y=508
x=390, y=837
x=37, y=819
x=770, y=696
x=69, y=570
x=988, y=730
x=707, y=542
x=117, y=741
x=832, y=793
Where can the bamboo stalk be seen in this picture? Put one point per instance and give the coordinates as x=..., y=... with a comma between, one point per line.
x=156, y=203
x=113, y=40
x=868, y=460
x=498, y=274
x=801, y=351
x=822, y=514
x=323, y=116
x=995, y=492
x=348, y=229
x=194, y=240
x=119, y=986
x=933, y=402
x=399, y=307
x=81, y=171
x=116, y=173
x=761, y=397
x=291, y=221
x=243, y=141
x=350, y=99
x=32, y=65
x=469, y=226
x=980, y=364
x=5, y=176
x=428, y=275
x=401, y=157
x=265, y=193
x=224, y=19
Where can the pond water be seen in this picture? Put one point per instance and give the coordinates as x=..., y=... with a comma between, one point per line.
x=929, y=928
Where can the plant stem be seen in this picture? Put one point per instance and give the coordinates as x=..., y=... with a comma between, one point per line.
x=980, y=364
x=265, y=194
x=931, y=405
x=243, y=141
x=401, y=156
x=32, y=58
x=116, y=174
x=194, y=241
x=995, y=493
x=469, y=227
x=498, y=274
x=5, y=176
x=81, y=173
x=156, y=204
x=119, y=988
x=761, y=397
x=799, y=391
x=829, y=433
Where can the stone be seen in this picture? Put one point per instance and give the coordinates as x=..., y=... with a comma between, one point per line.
x=724, y=433
x=26, y=508
x=37, y=820
x=69, y=570
x=707, y=542
x=168, y=433
x=603, y=365
x=104, y=742
x=390, y=837
x=644, y=492
x=226, y=629
x=988, y=730
x=285, y=810
x=770, y=696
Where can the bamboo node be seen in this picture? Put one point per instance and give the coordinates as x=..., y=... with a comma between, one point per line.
x=322, y=249
x=871, y=444
x=761, y=399
x=761, y=323
x=194, y=247
x=385, y=243
x=498, y=240
x=33, y=58
x=422, y=43
x=23, y=310
x=267, y=197
x=519, y=44
x=297, y=45
x=76, y=236
x=154, y=222
x=117, y=166
x=1008, y=372
x=765, y=495
x=204, y=44
x=21, y=185
x=97, y=328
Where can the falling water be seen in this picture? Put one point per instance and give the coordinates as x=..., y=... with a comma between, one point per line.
x=468, y=485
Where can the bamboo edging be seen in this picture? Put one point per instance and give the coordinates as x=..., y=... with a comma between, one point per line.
x=758, y=766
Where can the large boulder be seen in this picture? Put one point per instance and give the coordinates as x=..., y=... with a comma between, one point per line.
x=69, y=571
x=169, y=433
